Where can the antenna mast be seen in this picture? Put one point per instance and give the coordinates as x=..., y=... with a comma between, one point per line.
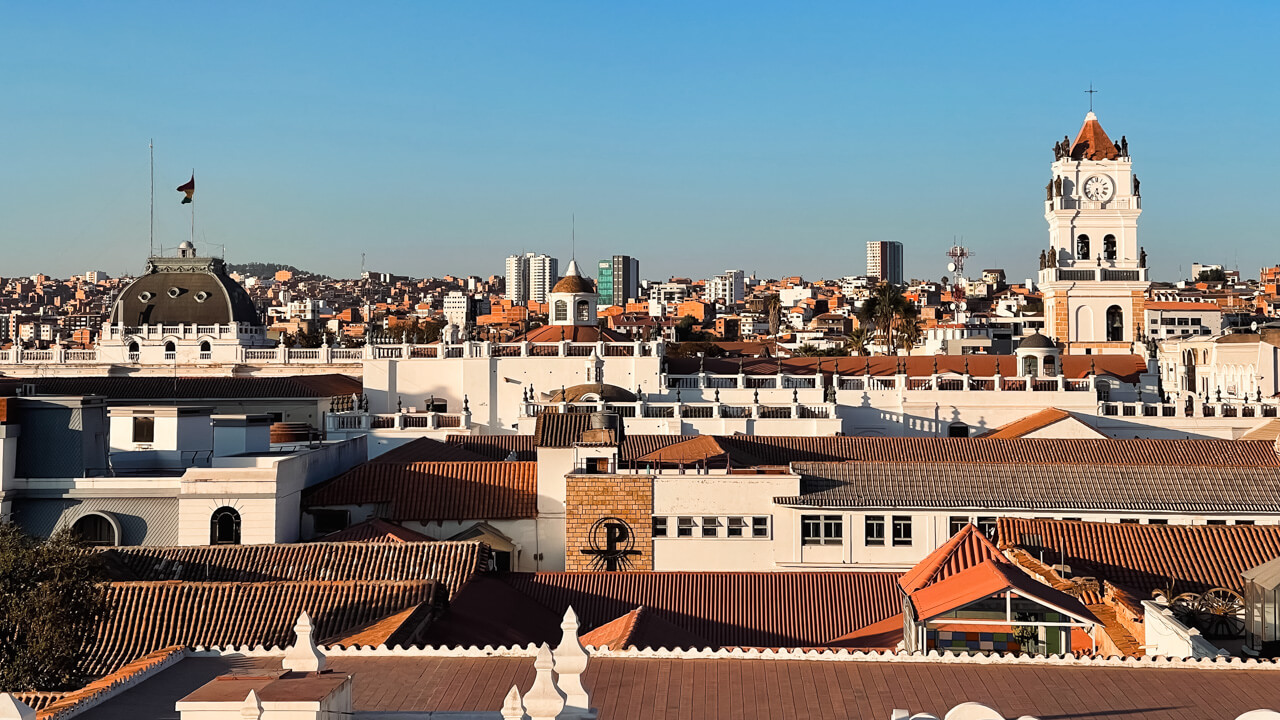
x=151, y=145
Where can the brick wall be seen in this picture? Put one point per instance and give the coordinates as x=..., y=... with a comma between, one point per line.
x=591, y=497
x=1139, y=314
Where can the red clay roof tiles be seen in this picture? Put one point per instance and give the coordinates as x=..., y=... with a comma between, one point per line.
x=434, y=490
x=965, y=549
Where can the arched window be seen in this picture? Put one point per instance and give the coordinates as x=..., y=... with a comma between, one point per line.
x=1109, y=247
x=224, y=527
x=205, y=346
x=1104, y=390
x=1115, y=324
x=1050, y=366
x=958, y=430
x=1082, y=247
x=96, y=531
x=582, y=311
x=133, y=346
x=562, y=311
x=1029, y=363
x=170, y=347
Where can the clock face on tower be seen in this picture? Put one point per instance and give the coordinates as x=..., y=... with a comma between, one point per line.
x=1097, y=188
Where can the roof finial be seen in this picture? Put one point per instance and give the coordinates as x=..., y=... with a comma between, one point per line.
x=304, y=656
x=1091, y=92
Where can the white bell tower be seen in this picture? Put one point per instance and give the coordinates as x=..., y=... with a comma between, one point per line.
x=1094, y=274
x=573, y=299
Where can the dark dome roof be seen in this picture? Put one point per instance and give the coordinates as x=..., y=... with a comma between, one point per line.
x=174, y=291
x=1036, y=342
x=607, y=393
x=574, y=284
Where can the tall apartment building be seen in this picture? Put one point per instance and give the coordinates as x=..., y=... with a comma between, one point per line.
x=884, y=261
x=727, y=286
x=530, y=277
x=618, y=280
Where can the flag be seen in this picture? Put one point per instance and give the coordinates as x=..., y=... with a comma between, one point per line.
x=189, y=187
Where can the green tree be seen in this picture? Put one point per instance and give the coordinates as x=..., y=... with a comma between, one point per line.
x=883, y=312
x=908, y=333
x=858, y=340
x=1214, y=275
x=51, y=599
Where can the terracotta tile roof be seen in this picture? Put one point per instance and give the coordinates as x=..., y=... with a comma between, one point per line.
x=1128, y=368
x=429, y=450
x=1152, y=487
x=634, y=446
x=699, y=449
x=450, y=563
x=731, y=688
x=69, y=704
x=1038, y=420
x=727, y=609
x=883, y=635
x=1021, y=451
x=1267, y=430
x=194, y=388
x=965, y=549
x=642, y=629
x=403, y=628
x=1141, y=558
x=1092, y=142
x=147, y=616
x=434, y=490
x=985, y=579
x=497, y=447
x=377, y=530
x=560, y=430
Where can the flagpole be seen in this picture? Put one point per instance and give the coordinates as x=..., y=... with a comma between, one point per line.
x=193, y=211
x=151, y=145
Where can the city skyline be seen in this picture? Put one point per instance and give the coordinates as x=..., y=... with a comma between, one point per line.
x=438, y=140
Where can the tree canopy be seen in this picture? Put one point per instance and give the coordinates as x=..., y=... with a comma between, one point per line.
x=51, y=600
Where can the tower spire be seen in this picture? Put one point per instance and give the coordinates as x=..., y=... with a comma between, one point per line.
x=1091, y=92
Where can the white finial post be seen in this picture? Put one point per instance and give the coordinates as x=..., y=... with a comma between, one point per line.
x=304, y=656
x=11, y=708
x=544, y=701
x=252, y=708
x=571, y=662
x=512, y=708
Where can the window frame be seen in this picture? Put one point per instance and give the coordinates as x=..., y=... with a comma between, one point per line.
x=148, y=424
x=735, y=527
x=903, y=539
x=685, y=526
x=760, y=526
x=869, y=538
x=713, y=525
x=658, y=526
x=821, y=530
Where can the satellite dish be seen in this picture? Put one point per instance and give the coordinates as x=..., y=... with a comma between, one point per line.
x=951, y=267
x=1254, y=326
x=964, y=305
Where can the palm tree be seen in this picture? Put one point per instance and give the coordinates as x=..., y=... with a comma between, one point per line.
x=883, y=310
x=909, y=332
x=858, y=340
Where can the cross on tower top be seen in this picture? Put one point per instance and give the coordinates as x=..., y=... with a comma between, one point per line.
x=1091, y=91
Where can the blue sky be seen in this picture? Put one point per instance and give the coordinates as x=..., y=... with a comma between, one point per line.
x=773, y=137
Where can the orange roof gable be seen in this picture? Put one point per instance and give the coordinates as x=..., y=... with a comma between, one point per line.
x=965, y=549
x=1092, y=142
x=1038, y=420
x=987, y=579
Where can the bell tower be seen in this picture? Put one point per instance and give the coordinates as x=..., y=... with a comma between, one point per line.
x=1094, y=274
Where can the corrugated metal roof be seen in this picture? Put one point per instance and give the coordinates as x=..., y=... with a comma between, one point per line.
x=965, y=549
x=560, y=430
x=999, y=486
x=1143, y=558
x=426, y=449
x=435, y=490
x=450, y=563
x=147, y=616
x=377, y=530
x=497, y=447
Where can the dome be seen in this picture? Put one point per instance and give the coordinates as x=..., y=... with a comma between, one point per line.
x=573, y=282
x=184, y=290
x=594, y=391
x=1037, y=342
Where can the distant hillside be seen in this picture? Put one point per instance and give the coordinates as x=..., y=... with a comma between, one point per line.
x=260, y=269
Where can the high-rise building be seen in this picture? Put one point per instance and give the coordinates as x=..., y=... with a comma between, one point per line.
x=884, y=261
x=727, y=287
x=618, y=280
x=1094, y=274
x=530, y=277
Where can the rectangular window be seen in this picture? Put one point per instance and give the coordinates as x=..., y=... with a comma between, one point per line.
x=659, y=527
x=330, y=521
x=736, y=527
x=710, y=527
x=760, y=527
x=901, y=530
x=684, y=527
x=988, y=527
x=1215, y=522
x=1157, y=521
x=875, y=530
x=1244, y=522
x=1128, y=521
x=956, y=524
x=1072, y=519
x=144, y=429
x=821, y=529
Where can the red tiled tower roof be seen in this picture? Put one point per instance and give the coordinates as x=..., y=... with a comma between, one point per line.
x=1092, y=142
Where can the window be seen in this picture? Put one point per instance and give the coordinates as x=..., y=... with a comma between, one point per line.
x=710, y=527
x=170, y=347
x=95, y=530
x=901, y=530
x=760, y=527
x=958, y=430
x=1157, y=521
x=956, y=524
x=224, y=527
x=1244, y=522
x=562, y=311
x=659, y=527
x=736, y=527
x=1082, y=247
x=1049, y=366
x=988, y=527
x=875, y=530
x=1109, y=247
x=330, y=521
x=821, y=529
x=1128, y=521
x=144, y=429
x=1215, y=522
x=1115, y=324
x=684, y=527
x=205, y=346
x=1071, y=519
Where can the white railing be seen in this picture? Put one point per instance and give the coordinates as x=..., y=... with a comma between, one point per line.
x=355, y=421
x=690, y=410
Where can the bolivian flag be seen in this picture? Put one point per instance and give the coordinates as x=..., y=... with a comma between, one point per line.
x=189, y=187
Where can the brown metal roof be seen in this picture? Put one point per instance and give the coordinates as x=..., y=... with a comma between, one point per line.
x=450, y=563
x=1008, y=486
x=1142, y=558
x=426, y=449
x=148, y=616
x=560, y=430
x=434, y=490
x=497, y=447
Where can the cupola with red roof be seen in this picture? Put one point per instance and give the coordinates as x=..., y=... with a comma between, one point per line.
x=573, y=299
x=1092, y=142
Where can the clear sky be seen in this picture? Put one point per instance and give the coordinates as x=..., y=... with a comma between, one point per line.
x=438, y=137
